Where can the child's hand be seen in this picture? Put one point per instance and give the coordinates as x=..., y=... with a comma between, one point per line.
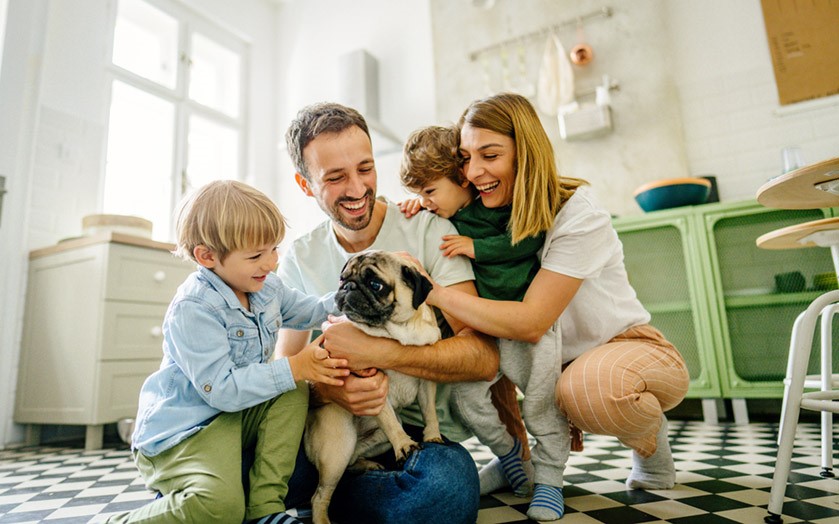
x=411, y=258
x=314, y=364
x=410, y=207
x=458, y=245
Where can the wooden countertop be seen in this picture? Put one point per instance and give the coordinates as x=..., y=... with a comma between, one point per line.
x=797, y=189
x=100, y=238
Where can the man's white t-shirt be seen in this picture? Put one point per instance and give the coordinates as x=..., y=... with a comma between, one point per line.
x=583, y=244
x=314, y=261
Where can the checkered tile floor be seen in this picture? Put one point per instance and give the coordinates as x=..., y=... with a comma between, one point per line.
x=723, y=476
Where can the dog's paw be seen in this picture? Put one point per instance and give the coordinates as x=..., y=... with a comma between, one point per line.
x=435, y=439
x=405, y=451
x=361, y=465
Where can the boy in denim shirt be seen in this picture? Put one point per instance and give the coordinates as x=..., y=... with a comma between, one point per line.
x=216, y=396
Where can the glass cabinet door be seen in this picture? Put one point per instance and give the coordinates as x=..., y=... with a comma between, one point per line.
x=756, y=314
x=661, y=259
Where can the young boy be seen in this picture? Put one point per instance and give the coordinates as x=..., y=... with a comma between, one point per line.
x=503, y=271
x=216, y=396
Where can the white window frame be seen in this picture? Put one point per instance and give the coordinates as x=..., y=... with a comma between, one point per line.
x=190, y=21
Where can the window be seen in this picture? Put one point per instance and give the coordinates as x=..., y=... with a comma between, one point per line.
x=176, y=112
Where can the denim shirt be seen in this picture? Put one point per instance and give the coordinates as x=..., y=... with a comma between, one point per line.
x=215, y=353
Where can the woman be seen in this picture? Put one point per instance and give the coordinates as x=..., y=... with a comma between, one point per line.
x=619, y=373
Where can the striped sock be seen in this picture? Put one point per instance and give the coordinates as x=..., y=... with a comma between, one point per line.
x=513, y=468
x=276, y=518
x=547, y=504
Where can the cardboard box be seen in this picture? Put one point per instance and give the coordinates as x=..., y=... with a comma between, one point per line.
x=803, y=40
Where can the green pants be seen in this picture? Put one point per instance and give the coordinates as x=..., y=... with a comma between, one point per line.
x=201, y=478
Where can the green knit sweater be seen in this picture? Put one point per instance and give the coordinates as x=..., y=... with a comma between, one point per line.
x=503, y=271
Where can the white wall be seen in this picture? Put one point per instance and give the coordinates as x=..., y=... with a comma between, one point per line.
x=4, y=4
x=19, y=81
x=729, y=102
x=629, y=46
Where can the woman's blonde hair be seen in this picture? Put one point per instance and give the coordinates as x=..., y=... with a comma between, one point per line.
x=226, y=216
x=538, y=192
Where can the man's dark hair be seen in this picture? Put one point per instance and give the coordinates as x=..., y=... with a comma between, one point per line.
x=312, y=121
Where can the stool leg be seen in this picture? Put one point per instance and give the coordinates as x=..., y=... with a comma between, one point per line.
x=827, y=385
x=800, y=344
x=788, y=376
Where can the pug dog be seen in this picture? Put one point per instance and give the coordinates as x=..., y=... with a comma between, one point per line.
x=384, y=295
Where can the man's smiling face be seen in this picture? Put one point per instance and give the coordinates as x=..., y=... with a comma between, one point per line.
x=343, y=176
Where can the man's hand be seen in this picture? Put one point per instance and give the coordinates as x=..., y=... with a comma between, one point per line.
x=314, y=364
x=343, y=340
x=458, y=245
x=362, y=396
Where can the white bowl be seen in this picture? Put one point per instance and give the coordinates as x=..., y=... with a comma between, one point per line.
x=128, y=225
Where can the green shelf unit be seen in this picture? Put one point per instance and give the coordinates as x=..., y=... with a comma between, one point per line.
x=711, y=291
x=663, y=265
x=752, y=321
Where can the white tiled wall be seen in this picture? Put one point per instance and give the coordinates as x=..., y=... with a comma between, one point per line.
x=735, y=130
x=65, y=176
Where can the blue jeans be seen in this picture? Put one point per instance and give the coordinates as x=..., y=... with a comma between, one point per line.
x=437, y=484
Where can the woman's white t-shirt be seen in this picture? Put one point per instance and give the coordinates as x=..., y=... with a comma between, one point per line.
x=583, y=244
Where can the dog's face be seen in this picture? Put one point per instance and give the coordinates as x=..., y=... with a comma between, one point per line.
x=378, y=287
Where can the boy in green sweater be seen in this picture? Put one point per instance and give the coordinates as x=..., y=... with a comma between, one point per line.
x=431, y=168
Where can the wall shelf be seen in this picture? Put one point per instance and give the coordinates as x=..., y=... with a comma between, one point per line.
x=541, y=33
x=772, y=299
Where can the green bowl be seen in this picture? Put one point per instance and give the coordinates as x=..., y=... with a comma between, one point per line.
x=672, y=192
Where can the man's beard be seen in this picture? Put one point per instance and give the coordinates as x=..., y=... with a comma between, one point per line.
x=354, y=223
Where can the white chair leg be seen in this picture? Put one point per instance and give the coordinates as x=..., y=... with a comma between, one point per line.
x=827, y=385
x=788, y=375
x=800, y=345
x=789, y=423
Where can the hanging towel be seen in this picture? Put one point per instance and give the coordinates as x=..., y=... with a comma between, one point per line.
x=556, y=78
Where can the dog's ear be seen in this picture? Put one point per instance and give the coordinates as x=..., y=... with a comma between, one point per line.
x=346, y=265
x=416, y=281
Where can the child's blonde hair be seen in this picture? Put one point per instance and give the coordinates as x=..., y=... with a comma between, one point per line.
x=431, y=153
x=538, y=192
x=226, y=216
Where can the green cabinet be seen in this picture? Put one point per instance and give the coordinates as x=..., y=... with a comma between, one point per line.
x=711, y=291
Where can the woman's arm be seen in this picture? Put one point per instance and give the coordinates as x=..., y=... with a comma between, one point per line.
x=467, y=356
x=546, y=298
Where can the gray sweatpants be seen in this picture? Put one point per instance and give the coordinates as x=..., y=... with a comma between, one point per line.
x=535, y=369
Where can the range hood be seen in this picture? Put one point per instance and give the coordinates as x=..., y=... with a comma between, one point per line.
x=358, y=87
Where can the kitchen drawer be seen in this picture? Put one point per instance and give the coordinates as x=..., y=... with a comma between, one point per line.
x=144, y=275
x=132, y=331
x=119, y=389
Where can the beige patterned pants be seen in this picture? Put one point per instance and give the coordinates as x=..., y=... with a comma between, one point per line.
x=622, y=387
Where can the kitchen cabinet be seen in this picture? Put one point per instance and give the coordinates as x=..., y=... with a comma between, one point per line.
x=711, y=291
x=92, y=329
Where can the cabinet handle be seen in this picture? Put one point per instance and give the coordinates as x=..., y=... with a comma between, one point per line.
x=159, y=276
x=156, y=332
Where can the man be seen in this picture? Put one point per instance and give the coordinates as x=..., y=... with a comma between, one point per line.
x=330, y=147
